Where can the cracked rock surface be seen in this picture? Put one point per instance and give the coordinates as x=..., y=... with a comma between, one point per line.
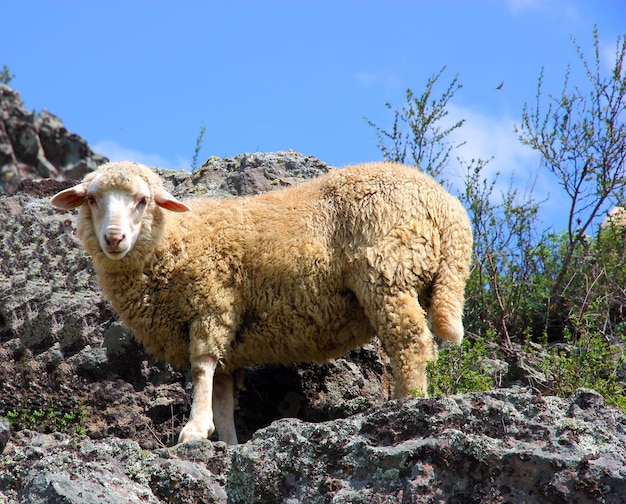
x=511, y=445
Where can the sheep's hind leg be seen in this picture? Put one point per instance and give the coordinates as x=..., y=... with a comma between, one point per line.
x=200, y=424
x=402, y=328
x=224, y=407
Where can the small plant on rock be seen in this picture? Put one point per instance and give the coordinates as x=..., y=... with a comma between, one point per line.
x=5, y=75
x=49, y=417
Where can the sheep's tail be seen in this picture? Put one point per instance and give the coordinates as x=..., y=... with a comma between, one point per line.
x=448, y=288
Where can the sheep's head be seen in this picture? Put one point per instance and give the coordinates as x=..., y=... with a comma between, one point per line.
x=115, y=203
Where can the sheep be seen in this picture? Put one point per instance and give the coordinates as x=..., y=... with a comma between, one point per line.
x=300, y=274
x=615, y=217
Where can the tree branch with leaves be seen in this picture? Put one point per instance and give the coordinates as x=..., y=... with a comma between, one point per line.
x=581, y=137
x=426, y=140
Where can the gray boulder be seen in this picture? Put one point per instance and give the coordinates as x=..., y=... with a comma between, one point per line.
x=510, y=445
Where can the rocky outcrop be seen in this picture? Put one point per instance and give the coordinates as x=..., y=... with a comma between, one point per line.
x=511, y=445
x=94, y=418
x=34, y=146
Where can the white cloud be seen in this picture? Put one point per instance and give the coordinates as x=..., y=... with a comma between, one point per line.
x=514, y=164
x=371, y=79
x=488, y=137
x=366, y=78
x=117, y=152
x=563, y=9
x=517, y=6
x=608, y=55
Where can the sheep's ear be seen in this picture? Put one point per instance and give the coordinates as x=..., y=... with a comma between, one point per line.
x=167, y=201
x=70, y=198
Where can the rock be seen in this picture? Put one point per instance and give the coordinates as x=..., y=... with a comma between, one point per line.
x=59, y=468
x=244, y=175
x=53, y=357
x=510, y=445
x=117, y=338
x=91, y=361
x=34, y=146
x=5, y=433
x=503, y=446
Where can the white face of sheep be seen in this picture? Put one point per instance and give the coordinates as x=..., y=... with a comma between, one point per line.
x=116, y=213
x=116, y=216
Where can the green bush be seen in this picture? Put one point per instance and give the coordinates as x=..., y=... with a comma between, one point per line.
x=591, y=362
x=462, y=368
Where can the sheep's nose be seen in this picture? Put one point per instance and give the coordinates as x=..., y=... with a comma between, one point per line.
x=113, y=240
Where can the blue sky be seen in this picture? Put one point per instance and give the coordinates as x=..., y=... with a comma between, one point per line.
x=137, y=78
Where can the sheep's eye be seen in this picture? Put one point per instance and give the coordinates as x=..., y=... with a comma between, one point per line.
x=142, y=202
x=91, y=200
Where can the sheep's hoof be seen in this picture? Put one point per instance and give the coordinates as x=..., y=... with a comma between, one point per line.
x=192, y=432
x=194, y=436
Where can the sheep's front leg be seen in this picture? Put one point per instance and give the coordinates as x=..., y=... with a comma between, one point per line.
x=200, y=424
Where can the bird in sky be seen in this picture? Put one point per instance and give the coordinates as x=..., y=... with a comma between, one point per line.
x=501, y=85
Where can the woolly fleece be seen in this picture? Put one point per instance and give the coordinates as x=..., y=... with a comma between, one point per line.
x=300, y=274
